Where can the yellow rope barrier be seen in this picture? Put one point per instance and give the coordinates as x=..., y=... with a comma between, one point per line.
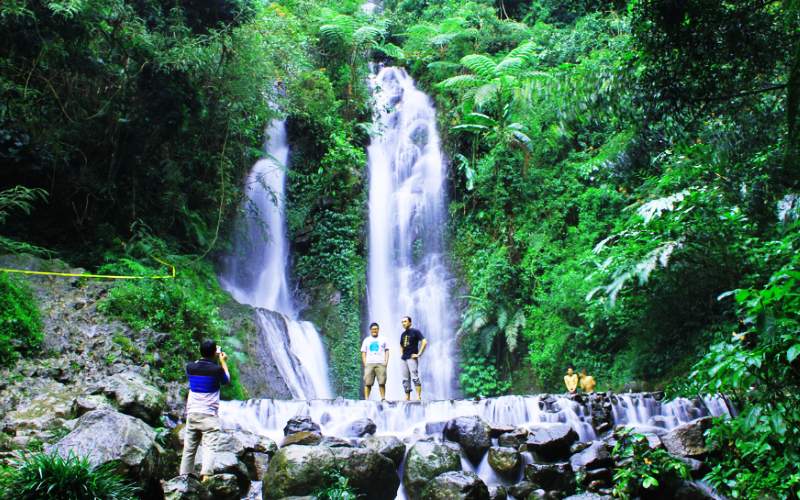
x=100, y=276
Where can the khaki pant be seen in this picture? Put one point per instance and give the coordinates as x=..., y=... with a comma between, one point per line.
x=410, y=373
x=371, y=371
x=205, y=428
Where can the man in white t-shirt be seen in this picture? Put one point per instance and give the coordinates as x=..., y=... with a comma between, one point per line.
x=375, y=357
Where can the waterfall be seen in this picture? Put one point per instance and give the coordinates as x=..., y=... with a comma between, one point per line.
x=407, y=273
x=256, y=275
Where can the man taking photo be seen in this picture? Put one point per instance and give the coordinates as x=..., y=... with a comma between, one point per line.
x=202, y=405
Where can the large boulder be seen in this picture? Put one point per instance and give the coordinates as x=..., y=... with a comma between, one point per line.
x=504, y=461
x=472, y=433
x=360, y=428
x=425, y=461
x=498, y=493
x=456, y=485
x=185, y=487
x=133, y=395
x=522, y=489
x=388, y=446
x=300, y=424
x=595, y=456
x=370, y=473
x=556, y=476
x=551, y=442
x=106, y=436
x=300, y=470
x=687, y=440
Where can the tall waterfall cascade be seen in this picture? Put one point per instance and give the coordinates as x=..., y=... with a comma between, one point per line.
x=256, y=274
x=407, y=271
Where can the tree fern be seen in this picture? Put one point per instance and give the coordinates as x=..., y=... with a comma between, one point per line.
x=481, y=65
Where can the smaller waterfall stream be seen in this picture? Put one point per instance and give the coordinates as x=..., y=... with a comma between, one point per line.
x=256, y=275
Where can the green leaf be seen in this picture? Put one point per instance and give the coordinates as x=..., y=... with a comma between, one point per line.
x=792, y=353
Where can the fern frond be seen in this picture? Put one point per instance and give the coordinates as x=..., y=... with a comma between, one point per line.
x=481, y=65
x=459, y=82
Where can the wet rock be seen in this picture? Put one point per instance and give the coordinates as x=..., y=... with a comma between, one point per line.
x=361, y=427
x=108, y=436
x=588, y=496
x=556, y=476
x=514, y=438
x=300, y=470
x=335, y=442
x=540, y=494
x=388, y=446
x=425, y=461
x=133, y=395
x=603, y=475
x=551, y=442
x=497, y=430
x=687, y=440
x=522, y=489
x=472, y=433
x=300, y=424
x=498, y=493
x=579, y=446
x=254, y=442
x=185, y=488
x=595, y=456
x=224, y=487
x=456, y=485
x=302, y=437
x=504, y=461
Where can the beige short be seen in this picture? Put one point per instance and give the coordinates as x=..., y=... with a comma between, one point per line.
x=371, y=371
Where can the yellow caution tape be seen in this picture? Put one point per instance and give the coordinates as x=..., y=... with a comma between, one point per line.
x=101, y=276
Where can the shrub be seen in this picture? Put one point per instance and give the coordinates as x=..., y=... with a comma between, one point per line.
x=20, y=323
x=642, y=468
x=41, y=475
x=337, y=487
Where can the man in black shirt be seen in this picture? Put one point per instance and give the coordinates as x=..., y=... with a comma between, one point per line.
x=412, y=345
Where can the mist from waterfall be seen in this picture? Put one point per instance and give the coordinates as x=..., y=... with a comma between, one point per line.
x=407, y=271
x=256, y=274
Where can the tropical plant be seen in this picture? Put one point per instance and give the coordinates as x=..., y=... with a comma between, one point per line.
x=642, y=468
x=43, y=475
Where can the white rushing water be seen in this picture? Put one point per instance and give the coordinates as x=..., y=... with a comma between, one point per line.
x=407, y=273
x=256, y=274
x=267, y=417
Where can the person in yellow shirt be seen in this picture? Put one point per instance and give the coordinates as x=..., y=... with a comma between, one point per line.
x=587, y=382
x=571, y=380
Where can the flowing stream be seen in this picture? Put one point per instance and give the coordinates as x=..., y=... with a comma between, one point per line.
x=407, y=271
x=256, y=275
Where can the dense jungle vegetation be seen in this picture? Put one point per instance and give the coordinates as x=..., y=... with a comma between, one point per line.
x=623, y=180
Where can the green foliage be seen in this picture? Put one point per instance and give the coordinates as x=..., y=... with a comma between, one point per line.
x=481, y=379
x=758, y=450
x=643, y=468
x=20, y=320
x=337, y=488
x=187, y=308
x=40, y=475
x=22, y=199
